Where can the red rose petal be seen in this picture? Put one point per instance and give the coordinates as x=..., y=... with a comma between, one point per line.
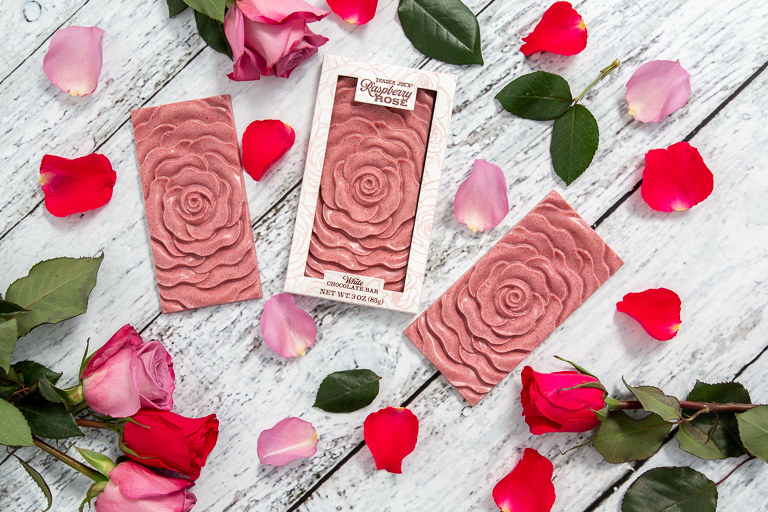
x=391, y=434
x=561, y=30
x=264, y=143
x=75, y=186
x=657, y=310
x=528, y=487
x=676, y=178
x=358, y=12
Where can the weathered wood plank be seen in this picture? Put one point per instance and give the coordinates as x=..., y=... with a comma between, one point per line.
x=713, y=256
x=29, y=23
x=218, y=351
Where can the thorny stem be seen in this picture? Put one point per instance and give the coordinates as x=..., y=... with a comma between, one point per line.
x=709, y=407
x=605, y=72
x=69, y=461
x=734, y=469
x=94, y=424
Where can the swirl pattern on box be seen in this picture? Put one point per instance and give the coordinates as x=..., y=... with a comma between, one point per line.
x=369, y=187
x=197, y=212
x=513, y=297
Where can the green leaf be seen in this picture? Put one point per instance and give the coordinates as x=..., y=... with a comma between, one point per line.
x=212, y=8
x=176, y=7
x=30, y=371
x=212, y=32
x=8, y=335
x=622, y=439
x=575, y=137
x=540, y=96
x=654, y=400
x=49, y=420
x=726, y=433
x=39, y=480
x=98, y=461
x=578, y=368
x=671, y=489
x=753, y=428
x=54, y=290
x=697, y=442
x=347, y=391
x=9, y=308
x=52, y=393
x=445, y=30
x=14, y=430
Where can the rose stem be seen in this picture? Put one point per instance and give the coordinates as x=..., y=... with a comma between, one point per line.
x=603, y=74
x=93, y=424
x=69, y=461
x=700, y=406
x=734, y=469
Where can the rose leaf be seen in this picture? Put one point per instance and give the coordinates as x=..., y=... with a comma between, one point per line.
x=671, y=488
x=622, y=439
x=575, y=137
x=347, y=391
x=540, y=96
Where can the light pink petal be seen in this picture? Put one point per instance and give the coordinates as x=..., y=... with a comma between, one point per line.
x=288, y=330
x=481, y=201
x=292, y=438
x=657, y=89
x=73, y=61
x=271, y=42
x=274, y=11
x=134, y=488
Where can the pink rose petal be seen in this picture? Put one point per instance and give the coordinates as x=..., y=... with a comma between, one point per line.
x=288, y=330
x=292, y=438
x=481, y=201
x=657, y=89
x=272, y=11
x=358, y=12
x=73, y=61
x=657, y=310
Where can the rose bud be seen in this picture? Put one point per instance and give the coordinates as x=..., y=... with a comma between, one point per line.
x=163, y=439
x=134, y=488
x=549, y=405
x=127, y=374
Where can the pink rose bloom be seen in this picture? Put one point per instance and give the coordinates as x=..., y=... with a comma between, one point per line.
x=127, y=374
x=271, y=38
x=134, y=488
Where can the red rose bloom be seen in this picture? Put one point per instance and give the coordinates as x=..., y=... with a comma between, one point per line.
x=166, y=440
x=547, y=407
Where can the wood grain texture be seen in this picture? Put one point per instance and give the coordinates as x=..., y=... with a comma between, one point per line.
x=222, y=364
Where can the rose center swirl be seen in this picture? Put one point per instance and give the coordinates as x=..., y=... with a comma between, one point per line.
x=195, y=204
x=513, y=299
x=369, y=187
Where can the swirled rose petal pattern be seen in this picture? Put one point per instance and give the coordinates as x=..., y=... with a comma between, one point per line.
x=513, y=297
x=369, y=187
x=197, y=212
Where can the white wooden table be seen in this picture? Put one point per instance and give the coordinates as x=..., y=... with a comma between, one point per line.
x=714, y=255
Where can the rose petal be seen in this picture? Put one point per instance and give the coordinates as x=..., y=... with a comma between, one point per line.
x=358, y=12
x=657, y=89
x=528, y=487
x=391, y=434
x=75, y=186
x=481, y=201
x=270, y=11
x=288, y=330
x=264, y=143
x=676, y=178
x=73, y=61
x=292, y=438
x=561, y=30
x=657, y=310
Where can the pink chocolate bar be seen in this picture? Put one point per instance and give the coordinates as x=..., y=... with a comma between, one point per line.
x=513, y=297
x=197, y=212
x=369, y=188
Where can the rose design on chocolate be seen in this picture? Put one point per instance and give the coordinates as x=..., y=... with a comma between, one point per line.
x=196, y=208
x=513, y=297
x=369, y=188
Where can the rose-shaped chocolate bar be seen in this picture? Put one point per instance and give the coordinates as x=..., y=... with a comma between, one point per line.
x=513, y=297
x=369, y=188
x=197, y=212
